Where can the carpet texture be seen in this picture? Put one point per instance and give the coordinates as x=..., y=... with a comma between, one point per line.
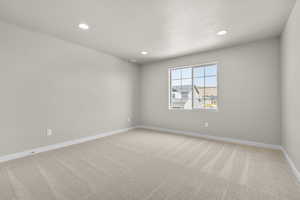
x=150, y=165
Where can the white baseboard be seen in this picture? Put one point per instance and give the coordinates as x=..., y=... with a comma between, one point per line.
x=60, y=145
x=211, y=137
x=231, y=140
x=291, y=163
x=194, y=134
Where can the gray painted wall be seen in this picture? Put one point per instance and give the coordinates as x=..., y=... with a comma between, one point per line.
x=50, y=83
x=249, y=94
x=290, y=86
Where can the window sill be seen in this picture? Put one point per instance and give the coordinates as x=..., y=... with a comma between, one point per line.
x=194, y=110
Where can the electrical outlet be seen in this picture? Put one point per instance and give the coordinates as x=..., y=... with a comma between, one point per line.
x=49, y=132
x=205, y=124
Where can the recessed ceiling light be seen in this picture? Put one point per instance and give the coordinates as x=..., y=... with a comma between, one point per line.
x=83, y=26
x=144, y=52
x=223, y=32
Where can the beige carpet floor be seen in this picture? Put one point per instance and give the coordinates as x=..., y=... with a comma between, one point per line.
x=150, y=165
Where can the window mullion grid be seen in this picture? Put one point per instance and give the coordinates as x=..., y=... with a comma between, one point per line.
x=204, y=88
x=181, y=84
x=170, y=91
x=181, y=79
x=192, y=88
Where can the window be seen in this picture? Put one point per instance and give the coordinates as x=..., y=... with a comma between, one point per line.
x=194, y=87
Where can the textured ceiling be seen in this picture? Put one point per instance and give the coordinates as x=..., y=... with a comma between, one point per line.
x=164, y=28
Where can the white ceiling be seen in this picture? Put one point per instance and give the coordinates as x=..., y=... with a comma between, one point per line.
x=164, y=28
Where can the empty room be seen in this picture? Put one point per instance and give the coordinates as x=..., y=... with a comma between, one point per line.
x=150, y=100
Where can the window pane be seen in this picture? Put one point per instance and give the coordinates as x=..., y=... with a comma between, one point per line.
x=211, y=70
x=198, y=71
x=198, y=93
x=187, y=82
x=176, y=82
x=199, y=103
x=211, y=92
x=175, y=74
x=211, y=81
x=194, y=87
x=186, y=73
x=199, y=82
x=176, y=93
x=181, y=97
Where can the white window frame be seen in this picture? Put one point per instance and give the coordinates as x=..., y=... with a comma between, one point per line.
x=193, y=66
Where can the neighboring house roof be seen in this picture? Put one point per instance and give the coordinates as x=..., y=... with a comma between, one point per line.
x=209, y=91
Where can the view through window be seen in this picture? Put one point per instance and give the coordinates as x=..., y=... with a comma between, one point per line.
x=194, y=87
